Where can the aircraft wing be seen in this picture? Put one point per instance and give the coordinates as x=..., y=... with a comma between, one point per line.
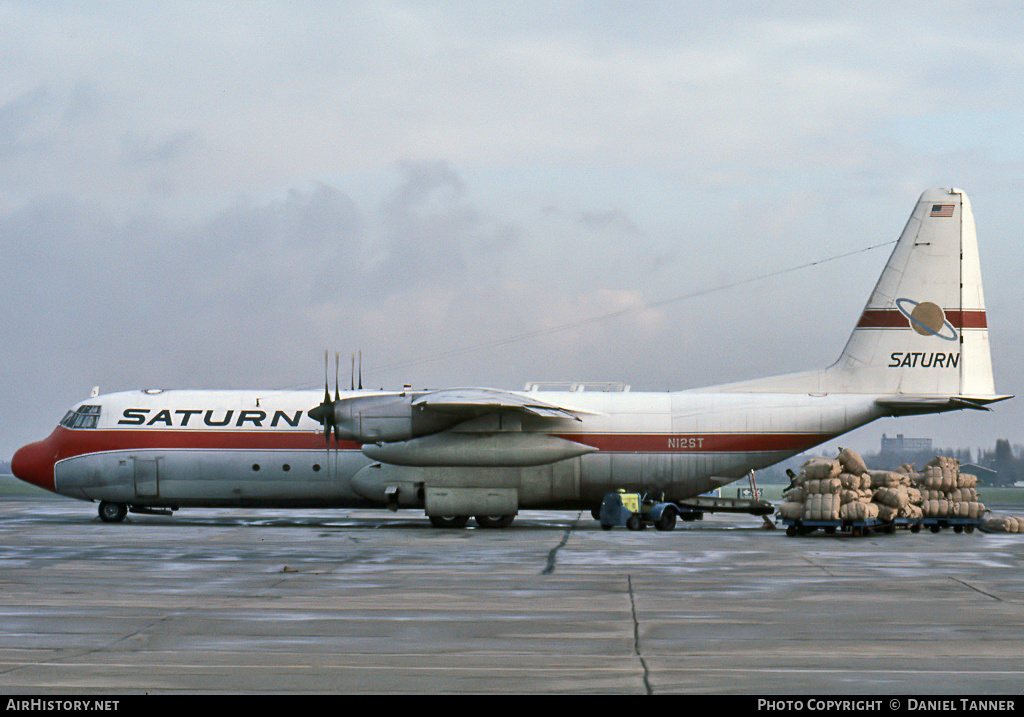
x=474, y=401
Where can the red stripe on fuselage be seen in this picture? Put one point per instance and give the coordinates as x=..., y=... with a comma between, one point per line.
x=896, y=319
x=698, y=442
x=35, y=462
x=75, y=442
x=82, y=441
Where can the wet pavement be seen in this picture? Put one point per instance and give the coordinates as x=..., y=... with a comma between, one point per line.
x=246, y=601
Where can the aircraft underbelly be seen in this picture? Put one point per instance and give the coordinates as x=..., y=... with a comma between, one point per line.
x=212, y=477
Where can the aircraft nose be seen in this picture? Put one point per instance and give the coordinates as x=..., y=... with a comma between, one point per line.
x=34, y=464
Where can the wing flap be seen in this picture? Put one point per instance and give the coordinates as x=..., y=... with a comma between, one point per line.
x=478, y=400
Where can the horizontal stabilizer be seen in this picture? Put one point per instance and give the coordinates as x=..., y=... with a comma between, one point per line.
x=911, y=405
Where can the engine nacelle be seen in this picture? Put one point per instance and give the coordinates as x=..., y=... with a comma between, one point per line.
x=387, y=417
x=477, y=449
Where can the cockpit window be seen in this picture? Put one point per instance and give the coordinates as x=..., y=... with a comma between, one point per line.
x=82, y=417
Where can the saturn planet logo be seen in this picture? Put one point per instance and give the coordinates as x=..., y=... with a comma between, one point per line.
x=927, y=319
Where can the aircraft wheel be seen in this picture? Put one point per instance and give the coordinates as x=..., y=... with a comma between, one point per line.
x=449, y=521
x=494, y=521
x=112, y=512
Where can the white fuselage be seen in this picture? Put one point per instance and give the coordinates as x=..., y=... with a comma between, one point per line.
x=250, y=448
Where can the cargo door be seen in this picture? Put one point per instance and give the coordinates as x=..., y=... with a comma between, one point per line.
x=147, y=477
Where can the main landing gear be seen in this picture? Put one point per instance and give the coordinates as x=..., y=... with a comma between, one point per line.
x=461, y=521
x=112, y=512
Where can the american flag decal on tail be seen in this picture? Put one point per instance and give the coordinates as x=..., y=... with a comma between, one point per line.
x=942, y=210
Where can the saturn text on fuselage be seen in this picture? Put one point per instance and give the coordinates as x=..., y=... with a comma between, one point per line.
x=211, y=417
x=917, y=359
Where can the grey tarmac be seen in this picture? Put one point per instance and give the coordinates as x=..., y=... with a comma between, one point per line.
x=323, y=601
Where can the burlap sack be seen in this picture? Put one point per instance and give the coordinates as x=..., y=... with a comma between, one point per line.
x=822, y=506
x=996, y=524
x=852, y=462
x=858, y=511
x=824, y=486
x=797, y=494
x=849, y=496
x=936, y=508
x=819, y=468
x=886, y=513
x=896, y=497
x=945, y=462
x=850, y=481
x=1003, y=524
x=964, y=494
x=913, y=512
x=791, y=511
x=887, y=479
x=966, y=480
x=941, y=479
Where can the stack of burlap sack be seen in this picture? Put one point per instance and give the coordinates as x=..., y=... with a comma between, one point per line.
x=845, y=489
x=1003, y=524
x=826, y=489
x=948, y=493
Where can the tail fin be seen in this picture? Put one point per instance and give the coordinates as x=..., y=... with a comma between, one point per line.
x=924, y=330
x=923, y=335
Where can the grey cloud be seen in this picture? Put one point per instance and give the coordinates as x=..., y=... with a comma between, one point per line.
x=428, y=227
x=147, y=150
x=83, y=101
x=18, y=117
x=613, y=220
x=423, y=180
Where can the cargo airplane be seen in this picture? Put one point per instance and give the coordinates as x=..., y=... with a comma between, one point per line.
x=920, y=346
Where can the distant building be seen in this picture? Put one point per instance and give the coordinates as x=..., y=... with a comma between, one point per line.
x=901, y=444
x=986, y=476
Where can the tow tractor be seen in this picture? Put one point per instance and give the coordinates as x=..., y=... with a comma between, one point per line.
x=636, y=512
x=617, y=508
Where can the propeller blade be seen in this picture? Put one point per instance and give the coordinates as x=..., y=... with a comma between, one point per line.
x=324, y=413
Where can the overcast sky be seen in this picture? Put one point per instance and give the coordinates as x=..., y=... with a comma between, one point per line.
x=211, y=194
